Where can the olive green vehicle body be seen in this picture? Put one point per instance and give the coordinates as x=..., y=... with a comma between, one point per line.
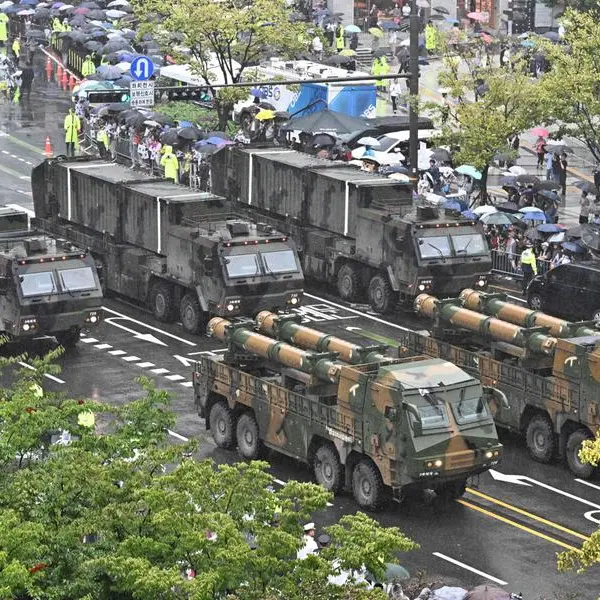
x=551, y=382
x=48, y=287
x=399, y=416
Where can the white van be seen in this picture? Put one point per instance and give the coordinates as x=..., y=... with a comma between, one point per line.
x=393, y=145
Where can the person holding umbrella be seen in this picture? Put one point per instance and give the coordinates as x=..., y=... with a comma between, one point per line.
x=540, y=151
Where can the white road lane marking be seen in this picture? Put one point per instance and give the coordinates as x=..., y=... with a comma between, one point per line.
x=131, y=358
x=102, y=346
x=117, y=352
x=178, y=436
x=469, y=568
x=187, y=384
x=145, y=365
x=174, y=377
x=175, y=337
x=160, y=371
x=88, y=340
x=584, y=482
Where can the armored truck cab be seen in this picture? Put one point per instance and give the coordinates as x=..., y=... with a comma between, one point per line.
x=186, y=254
x=376, y=428
x=48, y=286
x=361, y=231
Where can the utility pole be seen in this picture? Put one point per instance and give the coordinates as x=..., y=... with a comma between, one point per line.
x=413, y=114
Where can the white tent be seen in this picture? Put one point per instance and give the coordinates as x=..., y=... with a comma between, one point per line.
x=188, y=76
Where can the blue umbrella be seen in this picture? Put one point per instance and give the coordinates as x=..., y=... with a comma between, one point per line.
x=28, y=2
x=573, y=247
x=216, y=141
x=469, y=214
x=469, y=170
x=390, y=26
x=185, y=124
x=352, y=29
x=258, y=93
x=453, y=205
x=548, y=227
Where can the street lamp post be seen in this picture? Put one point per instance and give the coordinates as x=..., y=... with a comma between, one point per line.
x=412, y=11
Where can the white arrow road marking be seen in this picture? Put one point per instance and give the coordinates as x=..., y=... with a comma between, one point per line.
x=186, y=362
x=468, y=568
x=166, y=333
x=147, y=337
x=520, y=480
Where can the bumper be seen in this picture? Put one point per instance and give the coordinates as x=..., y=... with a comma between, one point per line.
x=251, y=305
x=48, y=324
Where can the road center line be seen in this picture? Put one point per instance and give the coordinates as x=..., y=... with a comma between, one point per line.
x=114, y=312
x=518, y=525
x=468, y=568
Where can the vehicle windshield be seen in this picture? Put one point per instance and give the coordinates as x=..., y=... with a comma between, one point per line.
x=242, y=265
x=447, y=246
x=470, y=244
x=431, y=409
x=77, y=280
x=37, y=284
x=470, y=407
x=282, y=261
x=385, y=143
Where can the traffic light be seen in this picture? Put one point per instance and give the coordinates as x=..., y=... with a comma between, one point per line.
x=187, y=92
x=108, y=96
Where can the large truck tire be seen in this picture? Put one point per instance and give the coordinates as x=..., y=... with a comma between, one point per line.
x=381, y=296
x=68, y=339
x=161, y=302
x=348, y=283
x=190, y=312
x=222, y=425
x=328, y=469
x=578, y=468
x=367, y=486
x=247, y=434
x=541, y=441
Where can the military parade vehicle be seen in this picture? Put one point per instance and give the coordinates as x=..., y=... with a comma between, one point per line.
x=548, y=368
x=362, y=421
x=360, y=231
x=185, y=254
x=48, y=286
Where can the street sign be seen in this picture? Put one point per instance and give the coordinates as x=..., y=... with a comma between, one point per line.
x=142, y=68
x=142, y=93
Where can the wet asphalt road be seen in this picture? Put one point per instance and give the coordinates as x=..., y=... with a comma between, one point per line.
x=507, y=533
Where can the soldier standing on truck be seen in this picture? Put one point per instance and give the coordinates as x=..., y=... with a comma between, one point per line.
x=528, y=265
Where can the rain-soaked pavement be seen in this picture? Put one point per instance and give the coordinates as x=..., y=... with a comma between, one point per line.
x=502, y=532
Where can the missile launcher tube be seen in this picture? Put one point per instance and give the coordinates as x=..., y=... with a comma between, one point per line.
x=496, y=305
x=321, y=366
x=451, y=312
x=288, y=328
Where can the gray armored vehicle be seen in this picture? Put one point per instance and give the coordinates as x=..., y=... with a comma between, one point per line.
x=185, y=254
x=48, y=286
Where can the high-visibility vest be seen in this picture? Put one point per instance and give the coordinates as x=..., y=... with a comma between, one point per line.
x=528, y=258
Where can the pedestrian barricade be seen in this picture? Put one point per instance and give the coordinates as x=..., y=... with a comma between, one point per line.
x=507, y=263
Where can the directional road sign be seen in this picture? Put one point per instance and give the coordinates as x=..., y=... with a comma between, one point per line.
x=141, y=93
x=142, y=68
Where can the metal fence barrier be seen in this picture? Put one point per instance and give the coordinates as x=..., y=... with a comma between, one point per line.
x=507, y=263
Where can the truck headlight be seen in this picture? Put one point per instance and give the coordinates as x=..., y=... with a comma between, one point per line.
x=293, y=299
x=481, y=282
x=230, y=307
x=438, y=463
x=93, y=317
x=29, y=324
x=25, y=326
x=489, y=454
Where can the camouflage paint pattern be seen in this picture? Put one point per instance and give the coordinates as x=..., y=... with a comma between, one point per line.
x=290, y=329
x=361, y=414
x=497, y=305
x=448, y=311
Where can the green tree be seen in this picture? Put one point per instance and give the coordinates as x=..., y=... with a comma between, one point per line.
x=572, y=89
x=508, y=102
x=224, y=38
x=589, y=555
x=123, y=514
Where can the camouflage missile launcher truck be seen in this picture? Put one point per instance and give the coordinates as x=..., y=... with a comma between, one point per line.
x=382, y=428
x=359, y=231
x=185, y=254
x=548, y=368
x=48, y=286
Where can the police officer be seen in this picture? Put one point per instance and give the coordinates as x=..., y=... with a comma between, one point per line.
x=16, y=48
x=339, y=37
x=88, y=67
x=3, y=29
x=528, y=265
x=171, y=164
x=72, y=126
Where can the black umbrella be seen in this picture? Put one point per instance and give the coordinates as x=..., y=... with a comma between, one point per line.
x=108, y=72
x=590, y=237
x=191, y=134
x=136, y=120
x=551, y=195
x=508, y=181
x=325, y=121
x=208, y=148
x=160, y=118
x=115, y=45
x=511, y=207
x=169, y=137
x=92, y=46
x=78, y=21
x=558, y=149
x=117, y=107
x=126, y=114
x=35, y=34
x=42, y=13
x=437, y=17
x=533, y=234
x=575, y=233
x=547, y=185
x=552, y=35
x=585, y=186
x=441, y=155
x=338, y=59
x=96, y=15
x=323, y=139
x=389, y=169
x=77, y=36
x=527, y=179
x=441, y=9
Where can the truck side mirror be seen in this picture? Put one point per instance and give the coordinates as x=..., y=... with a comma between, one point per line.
x=390, y=413
x=498, y=396
x=208, y=265
x=412, y=410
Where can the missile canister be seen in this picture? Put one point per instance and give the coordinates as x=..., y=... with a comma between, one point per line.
x=496, y=305
x=450, y=311
x=321, y=366
x=288, y=328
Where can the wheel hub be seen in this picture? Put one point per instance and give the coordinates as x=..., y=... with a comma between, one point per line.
x=327, y=471
x=248, y=437
x=160, y=303
x=539, y=440
x=221, y=427
x=365, y=487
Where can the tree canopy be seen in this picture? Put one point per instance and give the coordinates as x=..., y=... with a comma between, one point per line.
x=121, y=514
x=219, y=40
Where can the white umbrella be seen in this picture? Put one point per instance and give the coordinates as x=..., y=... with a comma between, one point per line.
x=516, y=170
x=485, y=209
x=115, y=14
x=6, y=4
x=118, y=3
x=26, y=13
x=124, y=66
x=64, y=7
x=435, y=198
x=530, y=209
x=399, y=177
x=369, y=141
x=557, y=238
